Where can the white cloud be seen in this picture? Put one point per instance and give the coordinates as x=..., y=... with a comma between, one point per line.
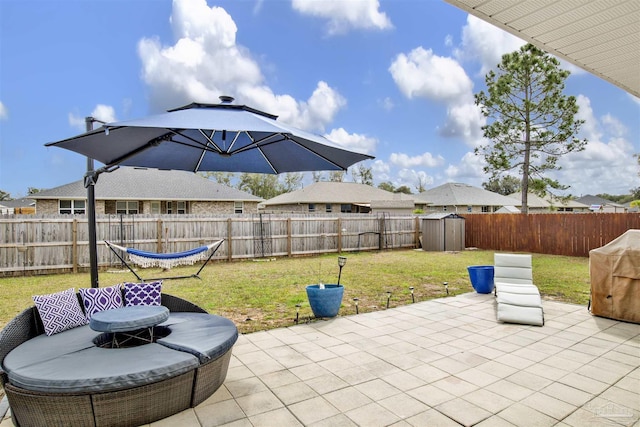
x=380, y=170
x=413, y=178
x=469, y=170
x=387, y=104
x=634, y=98
x=426, y=160
x=345, y=15
x=465, y=121
x=607, y=164
x=613, y=126
x=589, y=129
x=423, y=74
x=205, y=62
x=4, y=113
x=103, y=113
x=486, y=43
x=353, y=141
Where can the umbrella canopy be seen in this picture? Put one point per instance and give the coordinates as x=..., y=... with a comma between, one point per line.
x=211, y=137
x=202, y=137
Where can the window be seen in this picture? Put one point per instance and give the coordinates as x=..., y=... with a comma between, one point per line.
x=127, y=207
x=345, y=208
x=72, y=206
x=238, y=207
x=486, y=209
x=327, y=207
x=312, y=207
x=469, y=208
x=176, y=207
x=155, y=207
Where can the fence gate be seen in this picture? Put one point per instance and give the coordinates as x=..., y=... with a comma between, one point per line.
x=262, y=244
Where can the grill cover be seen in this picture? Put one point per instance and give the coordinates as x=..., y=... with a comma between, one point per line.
x=615, y=278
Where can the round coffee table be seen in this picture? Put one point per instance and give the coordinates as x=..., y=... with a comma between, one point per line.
x=129, y=323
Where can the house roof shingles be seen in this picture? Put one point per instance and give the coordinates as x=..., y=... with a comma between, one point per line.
x=336, y=192
x=128, y=183
x=458, y=194
x=534, y=201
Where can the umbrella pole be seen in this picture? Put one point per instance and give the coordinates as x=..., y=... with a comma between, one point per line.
x=90, y=184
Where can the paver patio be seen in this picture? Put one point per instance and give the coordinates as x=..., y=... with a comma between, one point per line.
x=444, y=362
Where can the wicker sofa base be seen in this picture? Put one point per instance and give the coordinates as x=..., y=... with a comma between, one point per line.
x=124, y=407
x=129, y=407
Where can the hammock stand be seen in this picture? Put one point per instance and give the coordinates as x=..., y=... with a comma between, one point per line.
x=152, y=259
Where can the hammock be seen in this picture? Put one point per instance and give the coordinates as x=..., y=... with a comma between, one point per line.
x=167, y=261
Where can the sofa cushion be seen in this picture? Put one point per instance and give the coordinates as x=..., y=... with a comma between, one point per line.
x=100, y=299
x=98, y=369
x=142, y=293
x=42, y=348
x=206, y=336
x=128, y=319
x=59, y=311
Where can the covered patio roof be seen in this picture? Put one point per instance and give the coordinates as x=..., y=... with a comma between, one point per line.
x=600, y=36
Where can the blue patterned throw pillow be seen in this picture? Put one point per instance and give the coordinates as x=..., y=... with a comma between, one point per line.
x=59, y=311
x=142, y=293
x=100, y=299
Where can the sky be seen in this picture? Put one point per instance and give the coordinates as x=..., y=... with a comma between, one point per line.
x=394, y=79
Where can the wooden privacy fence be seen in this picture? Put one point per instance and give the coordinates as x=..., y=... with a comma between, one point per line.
x=58, y=243
x=553, y=233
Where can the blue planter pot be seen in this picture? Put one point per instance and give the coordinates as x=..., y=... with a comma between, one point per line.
x=481, y=278
x=325, y=302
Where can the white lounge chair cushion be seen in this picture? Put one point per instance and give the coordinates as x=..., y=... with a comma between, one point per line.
x=518, y=299
x=522, y=300
x=512, y=260
x=513, y=274
x=516, y=289
x=518, y=314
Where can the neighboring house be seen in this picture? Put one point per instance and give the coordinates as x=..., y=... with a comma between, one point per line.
x=550, y=204
x=338, y=197
x=129, y=190
x=598, y=204
x=461, y=198
x=508, y=209
x=23, y=206
x=628, y=208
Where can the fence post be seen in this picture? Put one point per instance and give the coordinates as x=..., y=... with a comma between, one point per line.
x=289, y=237
x=159, y=235
x=339, y=235
x=74, y=245
x=229, y=243
x=416, y=237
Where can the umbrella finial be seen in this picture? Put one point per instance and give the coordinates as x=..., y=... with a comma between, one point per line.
x=226, y=99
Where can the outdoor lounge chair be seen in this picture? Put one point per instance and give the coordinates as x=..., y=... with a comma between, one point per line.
x=518, y=299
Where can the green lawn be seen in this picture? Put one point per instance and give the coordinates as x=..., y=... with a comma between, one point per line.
x=260, y=295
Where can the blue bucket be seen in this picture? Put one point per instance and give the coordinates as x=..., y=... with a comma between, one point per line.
x=325, y=302
x=481, y=278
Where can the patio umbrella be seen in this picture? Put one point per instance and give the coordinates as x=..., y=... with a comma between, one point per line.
x=204, y=137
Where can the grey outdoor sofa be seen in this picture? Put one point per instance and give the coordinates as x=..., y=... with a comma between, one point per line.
x=65, y=379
